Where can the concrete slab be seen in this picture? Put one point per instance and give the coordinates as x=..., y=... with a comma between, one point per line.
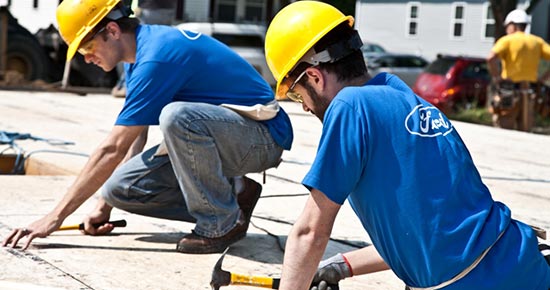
x=514, y=165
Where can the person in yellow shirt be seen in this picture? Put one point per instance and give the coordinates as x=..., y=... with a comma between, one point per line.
x=519, y=54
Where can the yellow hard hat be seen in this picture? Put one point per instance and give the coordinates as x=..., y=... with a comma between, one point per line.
x=294, y=31
x=76, y=18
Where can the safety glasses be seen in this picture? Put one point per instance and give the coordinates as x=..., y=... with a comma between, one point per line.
x=86, y=47
x=291, y=94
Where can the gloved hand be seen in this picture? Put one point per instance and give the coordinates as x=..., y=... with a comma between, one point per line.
x=323, y=285
x=330, y=271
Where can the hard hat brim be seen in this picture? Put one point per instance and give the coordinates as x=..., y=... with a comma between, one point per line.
x=73, y=47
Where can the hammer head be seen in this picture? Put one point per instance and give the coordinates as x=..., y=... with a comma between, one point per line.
x=219, y=276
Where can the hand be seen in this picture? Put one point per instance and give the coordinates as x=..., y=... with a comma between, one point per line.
x=38, y=229
x=323, y=285
x=331, y=271
x=97, y=217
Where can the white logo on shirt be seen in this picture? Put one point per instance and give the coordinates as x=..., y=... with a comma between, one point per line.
x=427, y=122
x=191, y=35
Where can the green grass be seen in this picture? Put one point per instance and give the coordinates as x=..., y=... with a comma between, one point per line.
x=542, y=122
x=476, y=115
x=483, y=117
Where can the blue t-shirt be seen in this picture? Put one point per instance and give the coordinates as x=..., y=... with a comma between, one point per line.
x=173, y=65
x=412, y=182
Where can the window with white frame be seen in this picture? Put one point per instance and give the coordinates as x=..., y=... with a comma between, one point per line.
x=488, y=21
x=413, y=16
x=457, y=20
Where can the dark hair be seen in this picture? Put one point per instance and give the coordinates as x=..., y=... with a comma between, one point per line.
x=126, y=24
x=348, y=67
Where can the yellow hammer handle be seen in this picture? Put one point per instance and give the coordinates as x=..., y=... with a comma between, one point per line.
x=65, y=228
x=238, y=279
x=119, y=223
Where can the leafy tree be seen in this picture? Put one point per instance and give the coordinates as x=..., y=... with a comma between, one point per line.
x=346, y=6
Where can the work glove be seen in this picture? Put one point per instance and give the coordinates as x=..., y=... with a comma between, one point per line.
x=330, y=272
x=323, y=285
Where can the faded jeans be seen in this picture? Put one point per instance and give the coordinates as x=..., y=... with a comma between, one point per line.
x=207, y=145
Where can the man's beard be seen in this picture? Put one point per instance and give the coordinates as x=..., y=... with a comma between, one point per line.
x=320, y=103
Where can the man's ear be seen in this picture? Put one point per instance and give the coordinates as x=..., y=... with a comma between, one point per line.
x=316, y=76
x=113, y=29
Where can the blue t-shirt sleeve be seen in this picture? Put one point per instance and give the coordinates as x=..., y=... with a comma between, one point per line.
x=341, y=155
x=151, y=86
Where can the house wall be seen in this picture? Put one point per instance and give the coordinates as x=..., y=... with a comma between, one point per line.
x=385, y=23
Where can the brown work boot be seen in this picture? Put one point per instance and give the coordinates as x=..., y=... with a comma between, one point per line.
x=195, y=244
x=248, y=198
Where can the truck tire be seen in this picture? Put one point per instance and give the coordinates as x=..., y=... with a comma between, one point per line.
x=27, y=57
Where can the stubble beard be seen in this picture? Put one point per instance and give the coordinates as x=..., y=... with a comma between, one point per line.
x=320, y=103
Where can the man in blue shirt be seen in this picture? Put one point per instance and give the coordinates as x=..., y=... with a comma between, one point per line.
x=401, y=165
x=218, y=117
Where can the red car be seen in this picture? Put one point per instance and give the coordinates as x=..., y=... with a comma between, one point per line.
x=451, y=82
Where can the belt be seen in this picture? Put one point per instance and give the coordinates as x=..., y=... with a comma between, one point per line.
x=464, y=272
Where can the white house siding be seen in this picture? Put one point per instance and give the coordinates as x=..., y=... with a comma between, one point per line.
x=385, y=23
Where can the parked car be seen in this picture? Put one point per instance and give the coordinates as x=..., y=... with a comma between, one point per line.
x=450, y=82
x=405, y=66
x=245, y=39
x=371, y=49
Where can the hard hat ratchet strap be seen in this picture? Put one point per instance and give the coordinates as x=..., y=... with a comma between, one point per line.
x=335, y=51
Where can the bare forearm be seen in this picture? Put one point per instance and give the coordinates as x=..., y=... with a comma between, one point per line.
x=307, y=241
x=96, y=171
x=492, y=65
x=302, y=255
x=366, y=260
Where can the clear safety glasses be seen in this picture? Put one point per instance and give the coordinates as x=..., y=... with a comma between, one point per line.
x=291, y=94
x=86, y=47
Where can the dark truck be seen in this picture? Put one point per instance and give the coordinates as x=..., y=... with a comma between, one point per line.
x=41, y=56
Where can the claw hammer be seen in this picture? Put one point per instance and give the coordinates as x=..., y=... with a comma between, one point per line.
x=221, y=278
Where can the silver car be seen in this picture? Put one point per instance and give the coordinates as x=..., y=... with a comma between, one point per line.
x=407, y=67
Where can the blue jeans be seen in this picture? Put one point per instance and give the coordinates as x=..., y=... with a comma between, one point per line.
x=207, y=145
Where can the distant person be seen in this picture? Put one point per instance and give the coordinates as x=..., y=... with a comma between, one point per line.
x=218, y=117
x=520, y=54
x=399, y=162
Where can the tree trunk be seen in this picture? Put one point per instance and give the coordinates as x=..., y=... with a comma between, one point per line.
x=501, y=8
